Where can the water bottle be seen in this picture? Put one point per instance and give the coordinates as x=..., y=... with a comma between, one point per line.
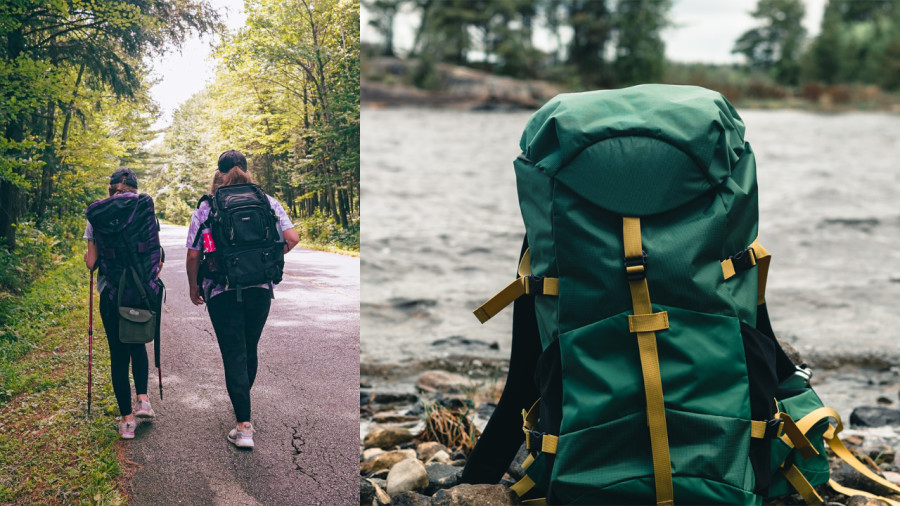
x=280, y=232
x=208, y=244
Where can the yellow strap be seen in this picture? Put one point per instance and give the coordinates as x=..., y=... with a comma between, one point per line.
x=530, y=417
x=795, y=437
x=656, y=412
x=528, y=461
x=549, y=443
x=523, y=486
x=841, y=451
x=542, y=501
x=814, y=416
x=850, y=492
x=648, y=322
x=758, y=428
x=514, y=290
x=801, y=484
x=761, y=259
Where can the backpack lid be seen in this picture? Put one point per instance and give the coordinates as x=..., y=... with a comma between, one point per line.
x=112, y=214
x=639, y=150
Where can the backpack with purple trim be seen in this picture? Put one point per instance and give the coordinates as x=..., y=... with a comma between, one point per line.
x=126, y=232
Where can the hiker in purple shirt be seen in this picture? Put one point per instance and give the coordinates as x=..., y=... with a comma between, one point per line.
x=123, y=185
x=238, y=315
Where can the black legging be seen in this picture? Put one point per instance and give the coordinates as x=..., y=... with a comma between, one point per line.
x=238, y=326
x=120, y=354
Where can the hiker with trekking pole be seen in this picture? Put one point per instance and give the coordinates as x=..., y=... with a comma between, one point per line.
x=236, y=245
x=123, y=245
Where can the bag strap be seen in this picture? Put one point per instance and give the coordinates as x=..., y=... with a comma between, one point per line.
x=525, y=284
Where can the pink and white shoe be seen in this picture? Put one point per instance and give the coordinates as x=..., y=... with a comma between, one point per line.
x=126, y=429
x=241, y=439
x=142, y=409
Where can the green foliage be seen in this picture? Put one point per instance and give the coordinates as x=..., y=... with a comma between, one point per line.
x=50, y=452
x=321, y=232
x=777, y=44
x=640, y=51
x=287, y=96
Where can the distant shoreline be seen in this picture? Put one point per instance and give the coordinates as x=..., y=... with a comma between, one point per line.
x=387, y=83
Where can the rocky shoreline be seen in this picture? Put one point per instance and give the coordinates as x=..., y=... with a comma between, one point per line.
x=402, y=463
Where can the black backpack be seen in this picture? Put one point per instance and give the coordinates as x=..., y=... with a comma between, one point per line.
x=249, y=249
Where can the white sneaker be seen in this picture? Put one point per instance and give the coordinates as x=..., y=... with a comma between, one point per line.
x=126, y=429
x=241, y=439
x=142, y=409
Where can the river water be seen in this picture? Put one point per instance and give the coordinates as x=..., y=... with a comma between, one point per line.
x=443, y=230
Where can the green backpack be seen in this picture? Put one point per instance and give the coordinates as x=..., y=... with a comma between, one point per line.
x=660, y=378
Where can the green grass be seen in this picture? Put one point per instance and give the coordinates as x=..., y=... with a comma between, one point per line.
x=50, y=451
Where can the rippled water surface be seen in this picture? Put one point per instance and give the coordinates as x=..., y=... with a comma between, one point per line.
x=443, y=229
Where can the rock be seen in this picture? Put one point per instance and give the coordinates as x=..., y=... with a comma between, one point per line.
x=883, y=455
x=851, y=478
x=458, y=454
x=386, y=460
x=892, y=476
x=861, y=500
x=365, y=397
x=381, y=497
x=791, y=352
x=417, y=410
x=381, y=476
x=366, y=492
x=515, y=467
x=852, y=440
x=441, y=476
x=393, y=397
x=407, y=475
x=393, y=418
x=874, y=416
x=884, y=400
x=387, y=438
x=364, y=383
x=370, y=453
x=425, y=450
x=454, y=402
x=442, y=381
x=410, y=499
x=474, y=495
x=441, y=456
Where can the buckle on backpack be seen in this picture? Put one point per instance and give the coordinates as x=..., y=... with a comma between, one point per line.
x=744, y=260
x=636, y=267
x=773, y=428
x=534, y=285
x=535, y=440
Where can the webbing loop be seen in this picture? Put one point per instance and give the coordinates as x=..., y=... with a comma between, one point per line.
x=525, y=284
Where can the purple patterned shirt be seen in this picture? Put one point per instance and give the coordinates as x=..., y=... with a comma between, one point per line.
x=200, y=216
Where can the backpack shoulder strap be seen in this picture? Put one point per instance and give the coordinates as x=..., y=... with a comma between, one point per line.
x=207, y=197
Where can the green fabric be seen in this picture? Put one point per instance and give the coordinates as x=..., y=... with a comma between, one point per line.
x=674, y=156
x=814, y=469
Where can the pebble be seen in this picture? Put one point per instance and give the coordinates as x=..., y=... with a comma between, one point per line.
x=892, y=476
x=474, y=495
x=366, y=491
x=407, y=475
x=443, y=381
x=441, y=456
x=371, y=453
x=386, y=460
x=387, y=438
x=441, y=476
x=381, y=497
x=874, y=416
x=393, y=418
x=861, y=500
x=410, y=499
x=425, y=450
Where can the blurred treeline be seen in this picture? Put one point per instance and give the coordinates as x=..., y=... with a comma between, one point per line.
x=589, y=44
x=74, y=106
x=286, y=94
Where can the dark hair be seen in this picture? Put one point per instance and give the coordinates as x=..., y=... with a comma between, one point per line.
x=232, y=158
x=117, y=188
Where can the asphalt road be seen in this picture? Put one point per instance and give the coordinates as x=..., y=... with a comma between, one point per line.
x=305, y=400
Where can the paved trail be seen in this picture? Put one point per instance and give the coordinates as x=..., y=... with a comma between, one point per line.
x=305, y=399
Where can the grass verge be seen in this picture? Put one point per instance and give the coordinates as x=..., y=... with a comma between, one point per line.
x=50, y=451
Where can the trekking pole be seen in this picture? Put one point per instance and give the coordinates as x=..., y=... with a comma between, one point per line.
x=90, y=340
